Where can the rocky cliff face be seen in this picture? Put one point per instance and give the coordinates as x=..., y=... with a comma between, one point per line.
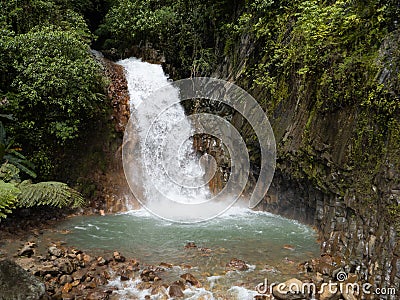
x=327, y=174
x=337, y=169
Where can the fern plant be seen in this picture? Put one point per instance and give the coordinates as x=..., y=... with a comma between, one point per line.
x=50, y=193
x=27, y=194
x=14, y=193
x=8, y=197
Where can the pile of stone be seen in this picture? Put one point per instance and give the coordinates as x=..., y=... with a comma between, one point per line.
x=68, y=273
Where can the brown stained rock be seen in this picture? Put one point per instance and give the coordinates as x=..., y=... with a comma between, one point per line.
x=65, y=279
x=101, y=261
x=180, y=283
x=86, y=258
x=118, y=257
x=125, y=273
x=329, y=295
x=191, y=279
x=54, y=251
x=159, y=290
x=66, y=288
x=105, y=274
x=45, y=268
x=98, y=296
x=75, y=251
x=205, y=250
x=79, y=275
x=118, y=93
x=134, y=263
x=27, y=249
x=76, y=283
x=64, y=265
x=148, y=275
x=124, y=277
x=324, y=268
x=185, y=266
x=237, y=264
x=166, y=265
x=144, y=285
x=288, y=247
x=190, y=245
x=175, y=291
x=71, y=255
x=91, y=285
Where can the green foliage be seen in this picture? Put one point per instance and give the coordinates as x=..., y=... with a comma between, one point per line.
x=332, y=56
x=54, y=74
x=8, y=197
x=21, y=16
x=185, y=32
x=14, y=193
x=50, y=193
x=9, y=173
x=27, y=194
x=12, y=156
x=50, y=89
x=49, y=80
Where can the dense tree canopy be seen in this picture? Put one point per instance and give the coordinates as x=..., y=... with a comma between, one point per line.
x=50, y=82
x=51, y=87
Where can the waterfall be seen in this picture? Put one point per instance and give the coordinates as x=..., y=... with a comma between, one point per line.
x=173, y=175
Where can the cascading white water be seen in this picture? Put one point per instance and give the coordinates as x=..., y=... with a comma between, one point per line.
x=164, y=169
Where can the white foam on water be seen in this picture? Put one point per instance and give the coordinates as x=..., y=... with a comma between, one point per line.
x=91, y=225
x=213, y=280
x=196, y=293
x=80, y=228
x=241, y=293
x=141, y=213
x=128, y=289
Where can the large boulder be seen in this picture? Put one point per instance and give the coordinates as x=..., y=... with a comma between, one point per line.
x=175, y=291
x=18, y=284
x=191, y=279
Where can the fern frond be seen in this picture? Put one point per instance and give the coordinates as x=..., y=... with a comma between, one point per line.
x=50, y=193
x=8, y=197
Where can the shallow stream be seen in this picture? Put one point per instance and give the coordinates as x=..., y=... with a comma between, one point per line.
x=272, y=247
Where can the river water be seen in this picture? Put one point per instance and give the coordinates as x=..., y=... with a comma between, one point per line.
x=272, y=246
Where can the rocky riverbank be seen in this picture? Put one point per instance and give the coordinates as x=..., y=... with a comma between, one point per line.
x=58, y=271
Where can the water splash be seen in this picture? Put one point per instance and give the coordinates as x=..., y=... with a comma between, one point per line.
x=161, y=180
